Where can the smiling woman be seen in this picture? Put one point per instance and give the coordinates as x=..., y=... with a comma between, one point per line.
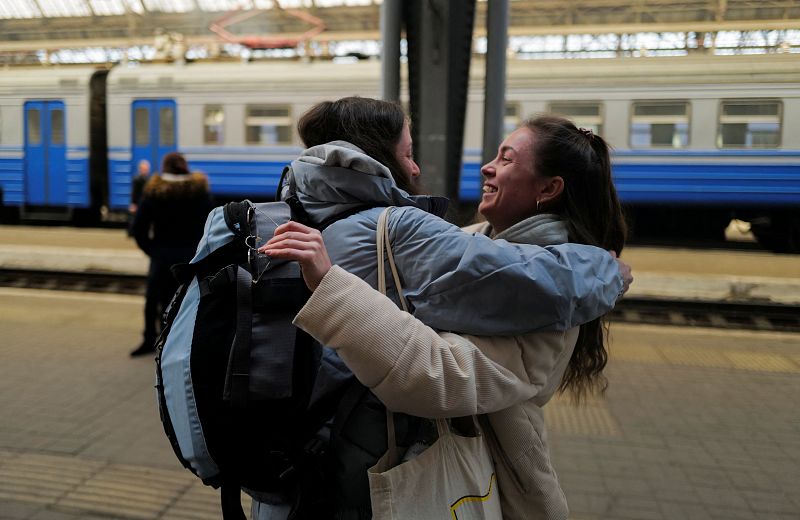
x=549, y=166
x=511, y=189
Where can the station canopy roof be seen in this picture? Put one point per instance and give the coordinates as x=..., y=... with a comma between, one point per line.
x=59, y=8
x=31, y=26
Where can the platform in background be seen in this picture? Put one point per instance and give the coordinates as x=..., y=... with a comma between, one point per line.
x=659, y=272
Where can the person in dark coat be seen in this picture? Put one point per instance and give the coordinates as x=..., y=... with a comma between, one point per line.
x=167, y=226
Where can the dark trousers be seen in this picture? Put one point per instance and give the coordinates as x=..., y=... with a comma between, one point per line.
x=161, y=287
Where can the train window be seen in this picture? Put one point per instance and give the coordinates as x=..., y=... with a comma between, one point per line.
x=34, y=126
x=584, y=115
x=268, y=125
x=749, y=124
x=512, y=118
x=57, y=126
x=141, y=126
x=660, y=124
x=166, y=126
x=212, y=124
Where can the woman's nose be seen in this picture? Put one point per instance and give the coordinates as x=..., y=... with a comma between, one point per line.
x=487, y=170
x=414, y=170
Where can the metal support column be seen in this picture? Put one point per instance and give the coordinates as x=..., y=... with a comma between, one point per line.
x=391, y=21
x=494, y=103
x=439, y=34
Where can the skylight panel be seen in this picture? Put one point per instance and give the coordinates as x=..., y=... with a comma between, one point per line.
x=19, y=9
x=53, y=8
x=224, y=5
x=294, y=4
x=107, y=7
x=135, y=6
x=115, y=7
x=169, y=6
x=346, y=3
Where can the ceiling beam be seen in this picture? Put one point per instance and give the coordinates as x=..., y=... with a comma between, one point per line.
x=529, y=18
x=332, y=36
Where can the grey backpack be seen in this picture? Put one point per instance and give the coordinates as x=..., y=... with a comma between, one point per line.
x=234, y=377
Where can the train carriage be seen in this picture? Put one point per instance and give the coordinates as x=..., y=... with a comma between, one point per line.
x=234, y=121
x=698, y=139
x=45, y=139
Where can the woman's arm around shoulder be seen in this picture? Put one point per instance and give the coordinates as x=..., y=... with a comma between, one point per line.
x=472, y=284
x=409, y=366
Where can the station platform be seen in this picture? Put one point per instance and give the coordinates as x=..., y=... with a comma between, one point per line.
x=742, y=276
x=697, y=423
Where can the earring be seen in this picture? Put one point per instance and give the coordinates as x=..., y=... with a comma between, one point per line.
x=537, y=204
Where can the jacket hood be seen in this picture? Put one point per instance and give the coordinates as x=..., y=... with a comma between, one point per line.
x=338, y=177
x=170, y=185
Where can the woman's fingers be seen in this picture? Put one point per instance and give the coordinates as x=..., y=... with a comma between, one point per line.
x=295, y=226
x=294, y=231
x=294, y=241
x=626, y=272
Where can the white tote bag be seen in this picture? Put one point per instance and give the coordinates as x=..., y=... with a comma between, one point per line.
x=454, y=479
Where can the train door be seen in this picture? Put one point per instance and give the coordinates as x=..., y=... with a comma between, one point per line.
x=154, y=131
x=45, y=153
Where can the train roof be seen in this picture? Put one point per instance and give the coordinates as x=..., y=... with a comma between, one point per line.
x=298, y=77
x=291, y=76
x=654, y=71
x=44, y=80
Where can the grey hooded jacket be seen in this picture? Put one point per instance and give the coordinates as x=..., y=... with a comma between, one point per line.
x=453, y=280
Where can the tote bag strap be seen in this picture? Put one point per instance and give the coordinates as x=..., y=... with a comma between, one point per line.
x=384, y=247
x=384, y=250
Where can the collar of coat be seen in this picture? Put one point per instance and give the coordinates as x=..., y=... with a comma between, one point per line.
x=172, y=185
x=545, y=229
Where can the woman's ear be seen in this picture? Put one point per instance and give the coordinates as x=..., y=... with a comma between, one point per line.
x=552, y=188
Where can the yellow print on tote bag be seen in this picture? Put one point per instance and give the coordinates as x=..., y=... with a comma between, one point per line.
x=472, y=507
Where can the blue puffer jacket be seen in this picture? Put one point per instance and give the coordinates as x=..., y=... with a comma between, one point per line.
x=453, y=280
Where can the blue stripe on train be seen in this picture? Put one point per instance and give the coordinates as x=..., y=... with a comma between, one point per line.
x=638, y=183
x=692, y=183
x=256, y=180
x=12, y=179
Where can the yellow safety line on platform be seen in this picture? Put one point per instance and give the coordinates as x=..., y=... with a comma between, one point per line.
x=710, y=357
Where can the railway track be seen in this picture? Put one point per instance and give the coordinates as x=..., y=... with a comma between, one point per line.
x=685, y=313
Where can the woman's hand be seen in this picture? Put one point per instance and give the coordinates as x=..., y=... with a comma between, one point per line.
x=294, y=241
x=625, y=271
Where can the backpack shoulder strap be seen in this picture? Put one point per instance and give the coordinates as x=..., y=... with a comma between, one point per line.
x=237, y=380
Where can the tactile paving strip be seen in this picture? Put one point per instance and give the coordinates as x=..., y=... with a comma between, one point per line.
x=128, y=491
x=75, y=485
x=707, y=358
x=42, y=479
x=589, y=419
x=695, y=357
x=762, y=362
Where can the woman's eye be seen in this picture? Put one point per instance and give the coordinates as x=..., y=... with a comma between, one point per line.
x=506, y=159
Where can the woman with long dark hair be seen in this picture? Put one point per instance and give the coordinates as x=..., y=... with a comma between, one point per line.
x=550, y=183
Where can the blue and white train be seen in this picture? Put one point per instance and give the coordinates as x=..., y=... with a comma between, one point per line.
x=698, y=139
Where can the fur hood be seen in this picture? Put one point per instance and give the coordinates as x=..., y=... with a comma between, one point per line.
x=182, y=186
